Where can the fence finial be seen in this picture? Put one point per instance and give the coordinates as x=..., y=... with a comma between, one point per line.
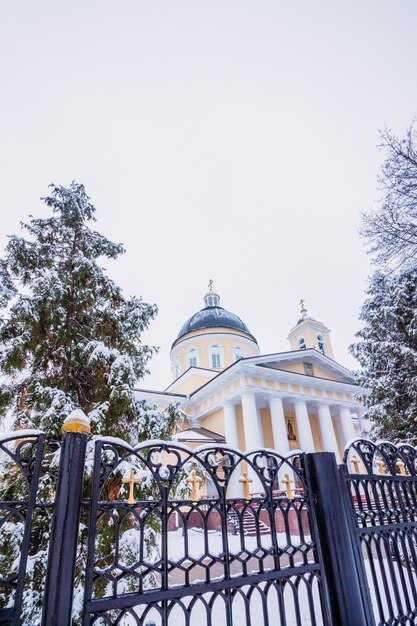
x=355, y=462
x=401, y=465
x=245, y=480
x=195, y=483
x=381, y=466
x=131, y=481
x=287, y=482
x=77, y=421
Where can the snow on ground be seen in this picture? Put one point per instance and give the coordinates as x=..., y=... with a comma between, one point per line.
x=249, y=606
x=244, y=613
x=196, y=547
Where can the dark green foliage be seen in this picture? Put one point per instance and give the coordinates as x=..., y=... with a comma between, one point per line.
x=69, y=339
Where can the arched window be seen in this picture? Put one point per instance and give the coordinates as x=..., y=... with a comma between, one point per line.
x=301, y=343
x=177, y=368
x=192, y=358
x=215, y=354
x=238, y=353
x=320, y=342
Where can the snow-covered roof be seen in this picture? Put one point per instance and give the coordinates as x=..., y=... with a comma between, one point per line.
x=199, y=435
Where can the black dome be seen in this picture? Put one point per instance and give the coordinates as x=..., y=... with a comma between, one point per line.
x=212, y=317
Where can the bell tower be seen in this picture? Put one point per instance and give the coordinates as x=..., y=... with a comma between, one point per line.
x=309, y=333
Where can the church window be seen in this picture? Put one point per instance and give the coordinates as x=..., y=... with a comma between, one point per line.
x=177, y=367
x=320, y=342
x=238, y=353
x=215, y=355
x=215, y=360
x=301, y=343
x=192, y=358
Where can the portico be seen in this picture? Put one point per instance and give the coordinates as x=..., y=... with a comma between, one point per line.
x=301, y=399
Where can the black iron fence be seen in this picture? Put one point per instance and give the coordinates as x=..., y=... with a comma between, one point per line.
x=136, y=540
x=380, y=482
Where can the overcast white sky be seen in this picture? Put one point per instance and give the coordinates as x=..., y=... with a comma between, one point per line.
x=228, y=139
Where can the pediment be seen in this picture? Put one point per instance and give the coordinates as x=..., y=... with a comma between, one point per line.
x=306, y=362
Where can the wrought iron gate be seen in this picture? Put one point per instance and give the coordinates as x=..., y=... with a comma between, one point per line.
x=381, y=493
x=131, y=530
x=22, y=454
x=221, y=559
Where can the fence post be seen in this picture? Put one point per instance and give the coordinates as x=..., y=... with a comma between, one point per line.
x=340, y=570
x=59, y=584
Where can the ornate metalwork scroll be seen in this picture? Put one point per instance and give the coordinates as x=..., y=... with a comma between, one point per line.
x=382, y=481
x=21, y=456
x=217, y=539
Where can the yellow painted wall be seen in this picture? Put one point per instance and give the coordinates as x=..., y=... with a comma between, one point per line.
x=309, y=332
x=240, y=430
x=315, y=429
x=298, y=368
x=189, y=385
x=203, y=340
x=214, y=422
x=267, y=428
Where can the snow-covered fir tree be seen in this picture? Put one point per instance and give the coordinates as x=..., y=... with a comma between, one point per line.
x=387, y=351
x=69, y=339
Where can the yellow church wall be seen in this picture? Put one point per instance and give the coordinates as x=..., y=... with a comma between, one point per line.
x=321, y=373
x=339, y=438
x=240, y=429
x=315, y=430
x=202, y=342
x=211, y=331
x=189, y=385
x=298, y=368
x=214, y=422
x=308, y=330
x=267, y=428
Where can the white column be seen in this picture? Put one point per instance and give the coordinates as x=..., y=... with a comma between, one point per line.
x=253, y=435
x=279, y=427
x=303, y=426
x=230, y=425
x=365, y=423
x=232, y=439
x=279, y=430
x=346, y=423
x=251, y=422
x=328, y=435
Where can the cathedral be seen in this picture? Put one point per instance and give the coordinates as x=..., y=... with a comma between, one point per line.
x=228, y=392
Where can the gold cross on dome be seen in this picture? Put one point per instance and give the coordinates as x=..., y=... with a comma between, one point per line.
x=131, y=481
x=210, y=284
x=401, y=465
x=195, y=483
x=355, y=462
x=381, y=466
x=245, y=480
x=287, y=482
x=302, y=304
